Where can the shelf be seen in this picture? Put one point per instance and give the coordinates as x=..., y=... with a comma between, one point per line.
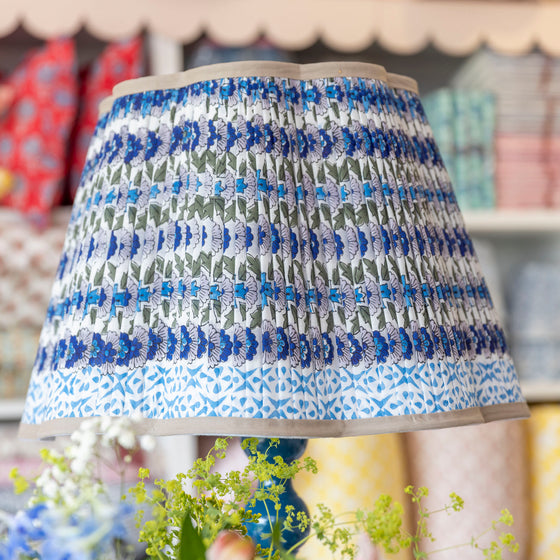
x=400, y=26
x=541, y=391
x=512, y=221
x=11, y=409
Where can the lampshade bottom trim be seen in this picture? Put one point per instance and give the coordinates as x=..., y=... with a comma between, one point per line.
x=287, y=428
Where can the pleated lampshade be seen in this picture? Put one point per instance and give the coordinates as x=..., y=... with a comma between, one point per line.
x=269, y=249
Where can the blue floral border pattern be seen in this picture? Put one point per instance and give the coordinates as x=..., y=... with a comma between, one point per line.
x=300, y=233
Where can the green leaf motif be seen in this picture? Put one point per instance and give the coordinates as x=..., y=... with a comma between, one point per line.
x=149, y=275
x=256, y=319
x=109, y=215
x=381, y=321
x=99, y=276
x=160, y=173
x=116, y=178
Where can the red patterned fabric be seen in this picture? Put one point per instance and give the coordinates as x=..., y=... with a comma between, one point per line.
x=34, y=132
x=118, y=62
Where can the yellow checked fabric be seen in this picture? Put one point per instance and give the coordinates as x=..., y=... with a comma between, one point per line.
x=544, y=454
x=353, y=472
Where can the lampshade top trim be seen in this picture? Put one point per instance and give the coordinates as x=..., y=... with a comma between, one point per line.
x=259, y=68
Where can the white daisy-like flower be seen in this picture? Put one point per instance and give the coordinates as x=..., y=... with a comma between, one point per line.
x=352, y=243
x=269, y=342
x=214, y=349
x=279, y=291
x=285, y=241
x=373, y=295
x=226, y=288
x=304, y=243
x=348, y=296
x=396, y=291
x=264, y=235
x=217, y=239
x=333, y=195
x=394, y=341
x=240, y=236
x=300, y=292
x=228, y=186
x=252, y=287
x=293, y=337
x=327, y=241
x=342, y=348
x=322, y=296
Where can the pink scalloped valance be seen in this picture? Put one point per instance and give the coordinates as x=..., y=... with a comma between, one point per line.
x=401, y=26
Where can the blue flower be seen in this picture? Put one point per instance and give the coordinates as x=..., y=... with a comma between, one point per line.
x=227, y=238
x=305, y=351
x=328, y=349
x=314, y=244
x=153, y=142
x=133, y=147
x=427, y=344
x=153, y=344
x=339, y=246
x=186, y=342
x=381, y=347
x=251, y=344
x=202, y=343
x=362, y=238
x=282, y=345
x=294, y=243
x=355, y=350
x=226, y=346
x=248, y=237
x=405, y=343
x=275, y=238
x=76, y=351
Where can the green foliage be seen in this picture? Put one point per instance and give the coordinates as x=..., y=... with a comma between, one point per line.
x=221, y=502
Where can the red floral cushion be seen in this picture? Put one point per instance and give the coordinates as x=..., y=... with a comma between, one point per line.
x=118, y=62
x=35, y=130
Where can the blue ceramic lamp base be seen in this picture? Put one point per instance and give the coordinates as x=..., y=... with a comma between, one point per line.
x=289, y=450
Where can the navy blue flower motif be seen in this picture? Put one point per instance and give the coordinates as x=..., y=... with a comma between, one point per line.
x=233, y=136
x=153, y=344
x=171, y=344
x=445, y=341
x=76, y=350
x=294, y=243
x=202, y=343
x=355, y=350
x=381, y=347
x=305, y=351
x=386, y=240
x=227, y=238
x=153, y=142
x=226, y=346
x=133, y=148
x=405, y=343
x=339, y=246
x=251, y=344
x=186, y=343
x=282, y=344
x=313, y=244
x=328, y=349
x=427, y=344
x=248, y=237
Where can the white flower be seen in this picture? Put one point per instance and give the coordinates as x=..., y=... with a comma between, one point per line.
x=147, y=443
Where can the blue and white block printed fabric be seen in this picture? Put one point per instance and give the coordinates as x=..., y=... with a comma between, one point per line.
x=276, y=252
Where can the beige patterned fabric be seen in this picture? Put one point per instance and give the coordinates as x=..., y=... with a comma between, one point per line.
x=28, y=262
x=353, y=472
x=485, y=465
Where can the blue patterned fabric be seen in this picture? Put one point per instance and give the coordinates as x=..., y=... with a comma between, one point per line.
x=268, y=248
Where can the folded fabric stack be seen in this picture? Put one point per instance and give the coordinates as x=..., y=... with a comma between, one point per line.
x=535, y=321
x=527, y=90
x=463, y=125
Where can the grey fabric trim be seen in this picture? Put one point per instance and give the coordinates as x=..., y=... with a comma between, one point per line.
x=258, y=427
